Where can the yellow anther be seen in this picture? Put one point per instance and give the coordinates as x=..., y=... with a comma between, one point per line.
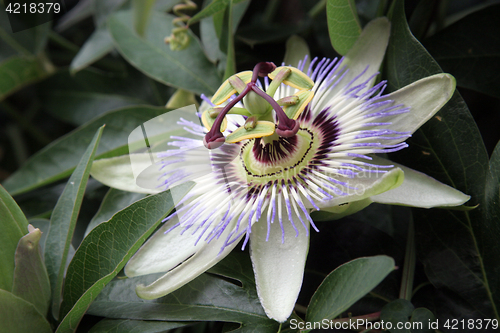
x=227, y=90
x=208, y=121
x=237, y=83
x=289, y=100
x=294, y=111
x=250, y=123
x=214, y=112
x=297, y=79
x=278, y=77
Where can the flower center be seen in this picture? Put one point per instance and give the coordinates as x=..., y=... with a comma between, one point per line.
x=284, y=158
x=259, y=105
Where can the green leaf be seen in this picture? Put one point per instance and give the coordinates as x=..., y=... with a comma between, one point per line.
x=96, y=46
x=492, y=188
x=491, y=224
x=347, y=284
x=165, y=5
x=81, y=11
x=459, y=250
x=464, y=50
x=40, y=202
x=58, y=159
x=14, y=226
x=134, y=326
x=114, y=201
x=18, y=72
x=210, y=40
x=422, y=17
x=84, y=106
x=63, y=222
x=17, y=315
x=131, y=83
x=87, y=94
x=376, y=230
x=398, y=311
x=207, y=298
x=343, y=24
x=210, y=31
x=236, y=265
x=424, y=316
x=188, y=69
x=26, y=42
x=103, y=9
x=104, y=252
x=401, y=312
x=214, y=7
x=31, y=281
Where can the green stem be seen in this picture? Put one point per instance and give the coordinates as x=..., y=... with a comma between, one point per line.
x=420, y=286
x=373, y=294
x=63, y=42
x=318, y=8
x=13, y=43
x=231, y=56
x=409, y=265
x=270, y=11
x=381, y=8
x=142, y=12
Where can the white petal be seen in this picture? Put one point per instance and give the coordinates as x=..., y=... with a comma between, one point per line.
x=365, y=185
x=362, y=61
x=338, y=212
x=163, y=251
x=425, y=97
x=369, y=50
x=279, y=268
x=117, y=172
x=419, y=190
x=203, y=260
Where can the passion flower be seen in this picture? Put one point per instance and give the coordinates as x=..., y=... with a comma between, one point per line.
x=269, y=154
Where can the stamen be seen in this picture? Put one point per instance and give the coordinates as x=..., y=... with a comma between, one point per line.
x=286, y=127
x=214, y=138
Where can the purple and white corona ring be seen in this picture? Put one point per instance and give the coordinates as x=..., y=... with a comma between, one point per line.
x=277, y=143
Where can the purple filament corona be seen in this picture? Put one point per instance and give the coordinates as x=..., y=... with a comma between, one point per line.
x=229, y=198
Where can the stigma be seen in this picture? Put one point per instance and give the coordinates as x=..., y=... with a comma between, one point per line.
x=264, y=116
